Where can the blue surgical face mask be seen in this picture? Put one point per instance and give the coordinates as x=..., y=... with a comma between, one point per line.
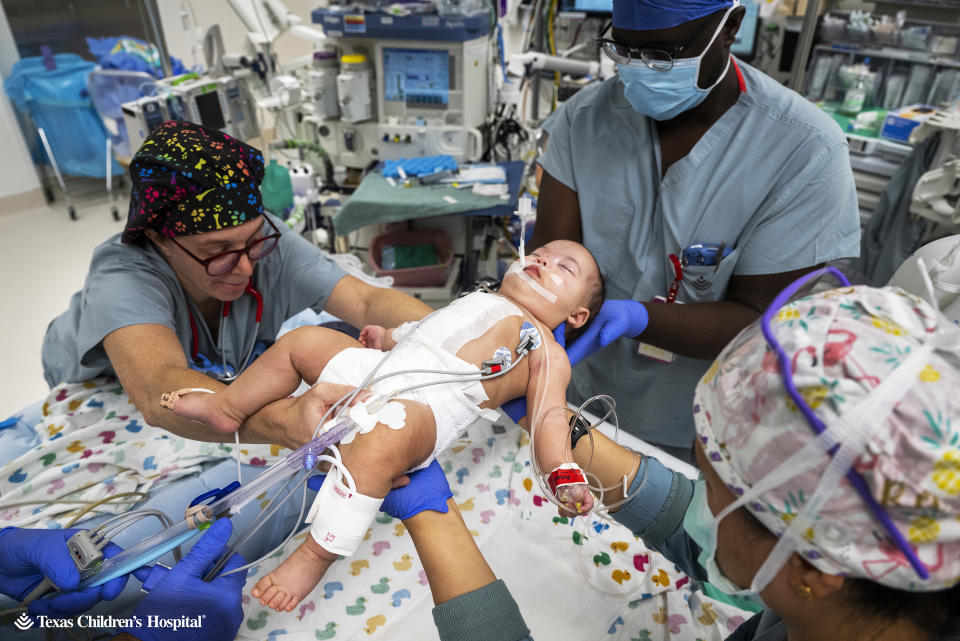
x=702, y=527
x=663, y=95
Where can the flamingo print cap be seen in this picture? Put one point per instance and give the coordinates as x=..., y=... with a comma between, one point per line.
x=841, y=345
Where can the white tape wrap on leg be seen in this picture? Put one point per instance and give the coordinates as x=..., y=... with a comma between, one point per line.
x=340, y=518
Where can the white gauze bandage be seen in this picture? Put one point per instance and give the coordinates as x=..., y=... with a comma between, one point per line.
x=340, y=518
x=515, y=269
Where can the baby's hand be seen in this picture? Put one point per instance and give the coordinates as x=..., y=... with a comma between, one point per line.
x=576, y=498
x=371, y=336
x=569, y=484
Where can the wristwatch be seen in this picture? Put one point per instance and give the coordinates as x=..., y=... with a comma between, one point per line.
x=580, y=429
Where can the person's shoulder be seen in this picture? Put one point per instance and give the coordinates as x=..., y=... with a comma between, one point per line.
x=594, y=96
x=114, y=250
x=788, y=109
x=135, y=262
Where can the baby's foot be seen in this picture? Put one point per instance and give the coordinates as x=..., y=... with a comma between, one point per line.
x=577, y=499
x=203, y=406
x=296, y=577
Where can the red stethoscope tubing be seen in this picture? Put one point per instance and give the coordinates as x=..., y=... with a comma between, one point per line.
x=194, y=336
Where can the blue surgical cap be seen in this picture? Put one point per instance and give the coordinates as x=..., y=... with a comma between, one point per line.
x=643, y=15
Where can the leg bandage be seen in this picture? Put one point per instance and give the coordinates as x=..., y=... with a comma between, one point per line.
x=565, y=474
x=340, y=518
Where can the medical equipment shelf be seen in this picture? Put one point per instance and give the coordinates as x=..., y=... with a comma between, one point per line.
x=921, y=77
x=432, y=27
x=905, y=55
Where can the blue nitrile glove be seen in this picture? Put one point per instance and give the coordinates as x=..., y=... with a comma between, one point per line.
x=428, y=490
x=616, y=318
x=182, y=592
x=26, y=556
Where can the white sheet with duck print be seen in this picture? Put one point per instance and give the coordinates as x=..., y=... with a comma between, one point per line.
x=582, y=579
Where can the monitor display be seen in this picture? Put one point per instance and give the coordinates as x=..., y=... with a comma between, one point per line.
x=208, y=104
x=593, y=7
x=746, y=42
x=416, y=76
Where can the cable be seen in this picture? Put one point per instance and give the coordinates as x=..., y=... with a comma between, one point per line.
x=97, y=504
x=553, y=50
x=274, y=506
x=236, y=440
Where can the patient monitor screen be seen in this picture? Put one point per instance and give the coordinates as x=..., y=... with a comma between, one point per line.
x=208, y=104
x=417, y=76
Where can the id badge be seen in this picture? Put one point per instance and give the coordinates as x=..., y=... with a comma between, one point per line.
x=657, y=353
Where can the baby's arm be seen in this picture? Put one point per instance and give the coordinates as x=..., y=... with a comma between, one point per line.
x=546, y=410
x=377, y=337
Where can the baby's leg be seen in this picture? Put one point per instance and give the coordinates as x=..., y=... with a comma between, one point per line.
x=374, y=459
x=302, y=353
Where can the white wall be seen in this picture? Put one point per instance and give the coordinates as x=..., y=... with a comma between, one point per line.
x=17, y=175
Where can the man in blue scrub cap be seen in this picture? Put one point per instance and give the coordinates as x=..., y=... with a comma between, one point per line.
x=687, y=156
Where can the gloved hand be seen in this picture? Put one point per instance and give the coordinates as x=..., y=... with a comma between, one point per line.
x=26, y=556
x=616, y=318
x=517, y=408
x=182, y=592
x=428, y=489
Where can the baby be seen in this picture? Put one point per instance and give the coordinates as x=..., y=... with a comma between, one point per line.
x=402, y=430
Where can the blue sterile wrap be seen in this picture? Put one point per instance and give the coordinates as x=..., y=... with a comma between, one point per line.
x=418, y=166
x=642, y=15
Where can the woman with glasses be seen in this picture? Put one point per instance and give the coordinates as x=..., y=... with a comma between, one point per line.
x=828, y=439
x=199, y=281
x=692, y=177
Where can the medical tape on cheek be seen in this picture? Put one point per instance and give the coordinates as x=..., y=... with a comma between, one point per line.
x=515, y=269
x=339, y=518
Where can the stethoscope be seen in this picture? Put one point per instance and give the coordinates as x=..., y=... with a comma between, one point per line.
x=225, y=311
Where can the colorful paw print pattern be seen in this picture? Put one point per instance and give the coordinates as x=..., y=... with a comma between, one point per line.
x=189, y=179
x=90, y=436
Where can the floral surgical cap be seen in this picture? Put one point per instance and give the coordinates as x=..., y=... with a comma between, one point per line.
x=841, y=344
x=189, y=179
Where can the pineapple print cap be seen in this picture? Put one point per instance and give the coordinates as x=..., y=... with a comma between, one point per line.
x=189, y=179
x=842, y=344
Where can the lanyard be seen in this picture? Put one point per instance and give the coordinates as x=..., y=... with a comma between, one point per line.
x=678, y=278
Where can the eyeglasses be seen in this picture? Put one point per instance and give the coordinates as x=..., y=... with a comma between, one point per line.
x=225, y=262
x=817, y=425
x=656, y=59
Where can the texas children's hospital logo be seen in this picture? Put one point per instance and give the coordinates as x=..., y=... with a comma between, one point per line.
x=43, y=622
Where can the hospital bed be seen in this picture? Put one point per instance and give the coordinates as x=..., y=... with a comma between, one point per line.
x=583, y=578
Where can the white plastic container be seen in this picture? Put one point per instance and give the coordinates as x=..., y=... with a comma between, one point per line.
x=322, y=84
x=353, y=88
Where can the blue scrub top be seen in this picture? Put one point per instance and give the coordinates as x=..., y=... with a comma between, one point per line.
x=771, y=179
x=134, y=284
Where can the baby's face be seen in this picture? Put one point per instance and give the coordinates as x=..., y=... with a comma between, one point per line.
x=555, y=283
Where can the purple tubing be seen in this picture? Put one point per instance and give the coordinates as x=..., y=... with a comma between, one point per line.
x=817, y=425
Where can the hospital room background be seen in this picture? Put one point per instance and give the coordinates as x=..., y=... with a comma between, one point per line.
x=457, y=141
